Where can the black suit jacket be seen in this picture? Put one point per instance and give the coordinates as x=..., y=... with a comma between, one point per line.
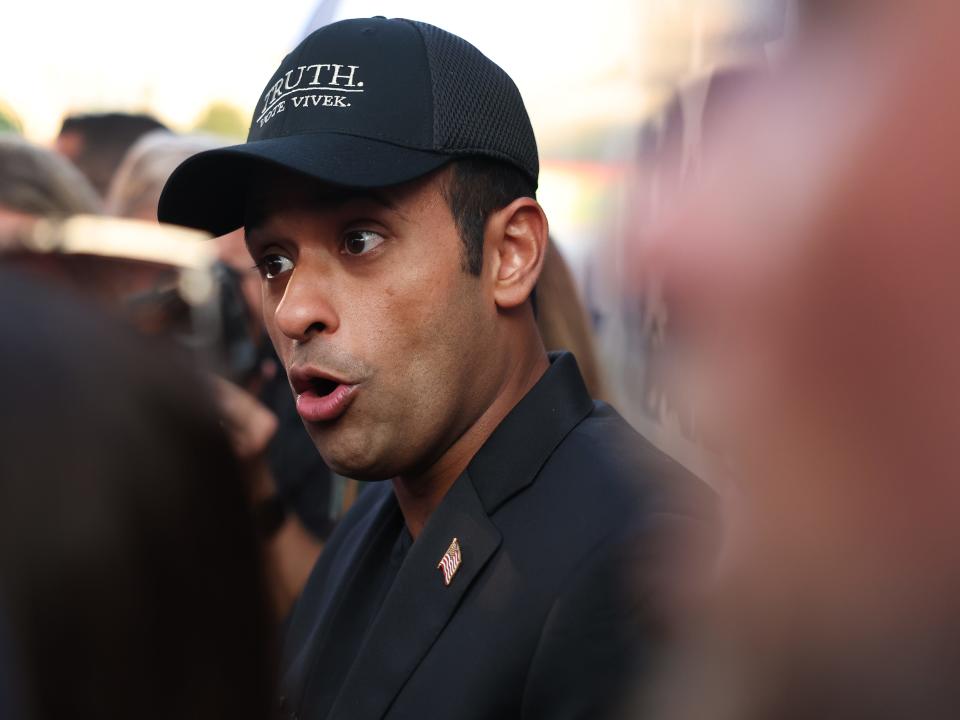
x=553, y=606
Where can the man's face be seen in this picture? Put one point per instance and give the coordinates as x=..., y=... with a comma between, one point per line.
x=381, y=330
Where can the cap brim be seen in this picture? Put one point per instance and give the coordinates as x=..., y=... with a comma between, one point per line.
x=208, y=191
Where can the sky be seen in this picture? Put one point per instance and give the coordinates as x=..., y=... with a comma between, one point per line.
x=172, y=58
x=576, y=63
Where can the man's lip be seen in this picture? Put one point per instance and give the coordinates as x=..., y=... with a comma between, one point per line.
x=316, y=408
x=302, y=379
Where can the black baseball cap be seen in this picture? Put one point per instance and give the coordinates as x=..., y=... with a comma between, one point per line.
x=361, y=103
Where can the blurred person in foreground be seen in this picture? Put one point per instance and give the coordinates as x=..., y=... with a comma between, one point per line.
x=389, y=204
x=96, y=143
x=9, y=687
x=813, y=280
x=130, y=579
x=299, y=492
x=36, y=183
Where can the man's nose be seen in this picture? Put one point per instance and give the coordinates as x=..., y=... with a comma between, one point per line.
x=306, y=308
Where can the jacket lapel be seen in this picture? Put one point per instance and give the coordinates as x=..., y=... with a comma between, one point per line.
x=419, y=604
x=299, y=660
x=513, y=455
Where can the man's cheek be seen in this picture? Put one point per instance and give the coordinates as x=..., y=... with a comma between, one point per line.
x=405, y=317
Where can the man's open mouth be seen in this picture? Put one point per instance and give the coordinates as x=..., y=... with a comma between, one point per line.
x=320, y=398
x=323, y=386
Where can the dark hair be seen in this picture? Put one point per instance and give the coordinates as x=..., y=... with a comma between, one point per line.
x=106, y=137
x=475, y=187
x=130, y=573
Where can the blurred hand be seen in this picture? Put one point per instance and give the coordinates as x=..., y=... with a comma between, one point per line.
x=249, y=423
x=291, y=552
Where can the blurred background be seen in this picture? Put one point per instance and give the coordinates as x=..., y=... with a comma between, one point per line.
x=616, y=90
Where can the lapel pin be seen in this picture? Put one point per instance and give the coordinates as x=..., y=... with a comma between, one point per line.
x=450, y=562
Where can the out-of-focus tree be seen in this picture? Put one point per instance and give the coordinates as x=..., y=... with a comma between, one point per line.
x=221, y=118
x=9, y=122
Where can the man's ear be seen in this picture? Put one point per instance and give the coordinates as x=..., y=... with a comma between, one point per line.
x=516, y=243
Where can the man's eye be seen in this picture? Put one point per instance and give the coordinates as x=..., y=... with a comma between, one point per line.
x=273, y=265
x=360, y=242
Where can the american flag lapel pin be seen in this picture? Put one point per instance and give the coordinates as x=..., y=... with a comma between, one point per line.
x=450, y=562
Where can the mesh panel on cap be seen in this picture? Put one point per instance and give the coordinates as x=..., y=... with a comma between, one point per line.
x=477, y=109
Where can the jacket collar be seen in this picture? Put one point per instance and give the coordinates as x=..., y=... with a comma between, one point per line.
x=513, y=455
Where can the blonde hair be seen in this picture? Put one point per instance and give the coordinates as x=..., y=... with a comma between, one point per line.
x=135, y=188
x=563, y=320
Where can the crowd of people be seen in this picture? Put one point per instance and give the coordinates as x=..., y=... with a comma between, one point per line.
x=313, y=426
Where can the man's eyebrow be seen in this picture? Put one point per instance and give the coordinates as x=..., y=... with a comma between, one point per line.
x=257, y=227
x=253, y=225
x=251, y=232
x=255, y=218
x=342, y=196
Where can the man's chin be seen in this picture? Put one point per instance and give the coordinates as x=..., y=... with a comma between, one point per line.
x=355, y=471
x=356, y=465
x=357, y=450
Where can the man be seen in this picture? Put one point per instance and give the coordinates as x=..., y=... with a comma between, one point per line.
x=387, y=191
x=97, y=143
